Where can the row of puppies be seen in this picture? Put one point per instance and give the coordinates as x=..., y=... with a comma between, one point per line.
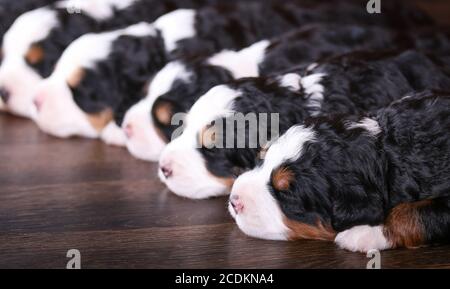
x=378, y=181
x=221, y=167
x=88, y=79
x=37, y=39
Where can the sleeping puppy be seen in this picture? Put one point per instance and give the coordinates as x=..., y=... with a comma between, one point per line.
x=89, y=91
x=177, y=86
x=37, y=39
x=213, y=150
x=377, y=182
x=9, y=11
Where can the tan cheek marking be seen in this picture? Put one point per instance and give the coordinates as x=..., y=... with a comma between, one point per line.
x=403, y=227
x=35, y=54
x=163, y=113
x=76, y=77
x=300, y=231
x=207, y=137
x=282, y=179
x=100, y=120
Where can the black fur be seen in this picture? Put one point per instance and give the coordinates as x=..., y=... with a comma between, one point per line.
x=355, y=83
x=240, y=25
x=347, y=177
x=119, y=81
x=299, y=47
x=72, y=26
x=236, y=25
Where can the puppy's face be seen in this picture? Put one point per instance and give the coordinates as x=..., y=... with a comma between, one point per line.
x=182, y=166
x=266, y=202
x=23, y=59
x=224, y=132
x=85, y=90
x=151, y=124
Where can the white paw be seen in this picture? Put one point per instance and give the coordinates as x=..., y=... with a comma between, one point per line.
x=113, y=135
x=362, y=239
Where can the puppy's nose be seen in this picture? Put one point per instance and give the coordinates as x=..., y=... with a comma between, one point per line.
x=167, y=171
x=128, y=129
x=237, y=204
x=39, y=101
x=4, y=94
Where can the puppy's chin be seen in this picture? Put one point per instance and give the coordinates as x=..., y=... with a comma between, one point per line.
x=188, y=175
x=60, y=116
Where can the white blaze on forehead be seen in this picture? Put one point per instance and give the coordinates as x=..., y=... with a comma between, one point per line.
x=98, y=9
x=217, y=102
x=370, y=125
x=87, y=50
x=165, y=78
x=288, y=147
x=175, y=26
x=243, y=63
x=28, y=28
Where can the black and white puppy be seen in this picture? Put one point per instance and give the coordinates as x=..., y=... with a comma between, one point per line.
x=179, y=84
x=377, y=182
x=355, y=83
x=91, y=89
x=9, y=11
x=37, y=39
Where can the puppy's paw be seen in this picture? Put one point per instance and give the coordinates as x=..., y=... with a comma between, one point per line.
x=362, y=239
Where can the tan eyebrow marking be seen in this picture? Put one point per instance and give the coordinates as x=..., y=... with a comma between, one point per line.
x=101, y=119
x=35, y=54
x=76, y=77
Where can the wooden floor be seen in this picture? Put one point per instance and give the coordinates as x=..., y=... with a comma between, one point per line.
x=57, y=195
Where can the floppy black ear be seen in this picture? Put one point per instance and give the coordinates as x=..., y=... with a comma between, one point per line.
x=359, y=196
x=134, y=60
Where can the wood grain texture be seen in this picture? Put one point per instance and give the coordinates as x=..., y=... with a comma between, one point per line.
x=56, y=195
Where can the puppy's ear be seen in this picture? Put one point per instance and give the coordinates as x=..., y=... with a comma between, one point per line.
x=357, y=204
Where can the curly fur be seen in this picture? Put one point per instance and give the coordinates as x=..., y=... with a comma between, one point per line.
x=355, y=83
x=347, y=177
